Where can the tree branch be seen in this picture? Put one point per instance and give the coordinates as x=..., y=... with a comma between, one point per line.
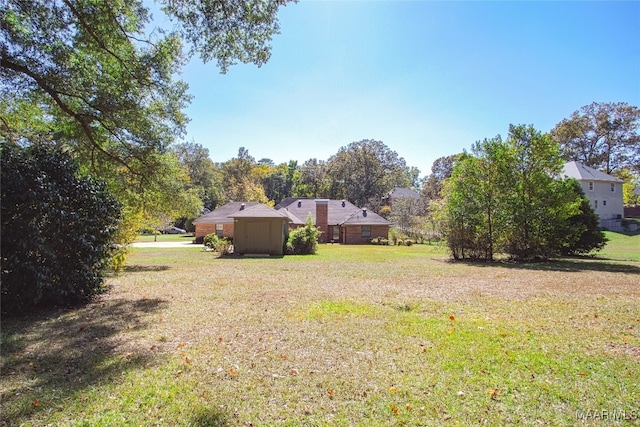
x=55, y=95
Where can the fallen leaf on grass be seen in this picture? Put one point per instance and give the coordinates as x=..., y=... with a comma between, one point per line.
x=393, y=389
x=394, y=409
x=331, y=393
x=36, y=403
x=493, y=393
x=233, y=372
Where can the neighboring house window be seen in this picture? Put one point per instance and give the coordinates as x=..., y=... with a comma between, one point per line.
x=219, y=228
x=604, y=203
x=595, y=202
x=590, y=185
x=366, y=231
x=613, y=188
x=336, y=234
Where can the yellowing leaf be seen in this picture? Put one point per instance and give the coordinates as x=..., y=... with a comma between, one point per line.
x=394, y=409
x=393, y=389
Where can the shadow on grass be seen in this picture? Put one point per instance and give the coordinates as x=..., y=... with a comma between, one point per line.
x=562, y=265
x=209, y=418
x=48, y=358
x=144, y=268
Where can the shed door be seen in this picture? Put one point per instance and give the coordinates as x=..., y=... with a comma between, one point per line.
x=258, y=237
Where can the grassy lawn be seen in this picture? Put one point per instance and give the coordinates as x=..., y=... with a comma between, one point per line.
x=356, y=335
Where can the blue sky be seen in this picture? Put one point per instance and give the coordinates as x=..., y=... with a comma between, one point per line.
x=426, y=78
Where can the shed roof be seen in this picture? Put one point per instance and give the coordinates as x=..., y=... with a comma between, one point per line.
x=221, y=215
x=584, y=173
x=259, y=211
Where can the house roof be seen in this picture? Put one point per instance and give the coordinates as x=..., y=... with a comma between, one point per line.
x=221, y=215
x=338, y=211
x=259, y=211
x=584, y=173
x=365, y=217
x=398, y=193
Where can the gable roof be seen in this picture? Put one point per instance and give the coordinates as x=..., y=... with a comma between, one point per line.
x=221, y=215
x=399, y=192
x=365, y=217
x=584, y=173
x=338, y=211
x=259, y=211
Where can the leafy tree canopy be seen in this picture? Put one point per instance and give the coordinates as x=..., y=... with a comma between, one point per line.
x=604, y=136
x=366, y=170
x=97, y=78
x=504, y=197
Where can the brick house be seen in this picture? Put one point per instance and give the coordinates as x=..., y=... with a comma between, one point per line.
x=339, y=220
x=218, y=221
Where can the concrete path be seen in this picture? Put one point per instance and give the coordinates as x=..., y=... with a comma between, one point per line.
x=187, y=244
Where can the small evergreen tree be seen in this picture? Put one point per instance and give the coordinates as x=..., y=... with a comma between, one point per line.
x=304, y=240
x=57, y=230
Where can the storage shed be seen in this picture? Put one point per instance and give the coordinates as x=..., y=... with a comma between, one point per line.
x=259, y=229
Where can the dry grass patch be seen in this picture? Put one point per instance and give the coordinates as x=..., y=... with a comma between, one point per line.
x=352, y=336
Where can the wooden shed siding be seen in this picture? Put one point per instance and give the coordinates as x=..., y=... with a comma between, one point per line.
x=259, y=235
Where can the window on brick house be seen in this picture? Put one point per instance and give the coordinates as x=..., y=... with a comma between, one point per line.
x=335, y=235
x=366, y=231
x=219, y=230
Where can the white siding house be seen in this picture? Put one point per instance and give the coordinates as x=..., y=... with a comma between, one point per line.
x=604, y=192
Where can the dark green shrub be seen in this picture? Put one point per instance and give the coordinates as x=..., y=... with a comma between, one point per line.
x=581, y=234
x=303, y=240
x=218, y=244
x=57, y=230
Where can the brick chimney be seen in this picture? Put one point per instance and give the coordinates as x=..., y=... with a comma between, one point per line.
x=322, y=219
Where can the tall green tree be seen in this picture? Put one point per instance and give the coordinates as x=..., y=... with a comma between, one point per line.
x=241, y=179
x=204, y=175
x=441, y=170
x=364, y=171
x=314, y=180
x=98, y=78
x=604, y=136
x=505, y=197
x=279, y=181
x=539, y=203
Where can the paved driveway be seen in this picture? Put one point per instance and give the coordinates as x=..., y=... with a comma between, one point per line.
x=187, y=244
